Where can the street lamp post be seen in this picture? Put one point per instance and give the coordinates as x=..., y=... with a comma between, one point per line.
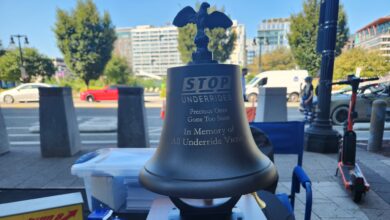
x=320, y=136
x=24, y=75
x=262, y=41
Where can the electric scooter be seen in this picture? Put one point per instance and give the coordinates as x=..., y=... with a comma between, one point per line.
x=351, y=174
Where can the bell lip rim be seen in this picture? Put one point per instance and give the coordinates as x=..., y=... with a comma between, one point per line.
x=183, y=191
x=210, y=180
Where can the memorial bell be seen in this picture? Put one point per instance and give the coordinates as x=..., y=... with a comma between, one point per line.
x=206, y=149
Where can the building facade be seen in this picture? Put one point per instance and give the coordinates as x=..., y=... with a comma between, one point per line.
x=152, y=50
x=62, y=70
x=239, y=52
x=272, y=34
x=149, y=50
x=252, y=51
x=122, y=45
x=375, y=35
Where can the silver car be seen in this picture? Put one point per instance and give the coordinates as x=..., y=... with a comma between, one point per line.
x=366, y=95
x=27, y=92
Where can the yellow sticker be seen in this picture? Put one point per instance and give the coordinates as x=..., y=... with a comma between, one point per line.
x=73, y=212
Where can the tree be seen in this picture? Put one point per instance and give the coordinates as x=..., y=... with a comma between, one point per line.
x=85, y=39
x=371, y=62
x=36, y=65
x=279, y=59
x=2, y=51
x=117, y=71
x=303, y=35
x=221, y=41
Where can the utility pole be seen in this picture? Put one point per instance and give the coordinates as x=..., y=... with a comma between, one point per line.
x=262, y=41
x=320, y=136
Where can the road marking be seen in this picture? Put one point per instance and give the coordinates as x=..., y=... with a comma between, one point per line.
x=18, y=128
x=79, y=117
x=82, y=142
x=20, y=117
x=82, y=134
x=25, y=143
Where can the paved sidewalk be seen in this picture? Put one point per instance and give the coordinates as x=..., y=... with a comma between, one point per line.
x=24, y=168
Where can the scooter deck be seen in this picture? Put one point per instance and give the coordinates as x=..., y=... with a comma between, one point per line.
x=347, y=172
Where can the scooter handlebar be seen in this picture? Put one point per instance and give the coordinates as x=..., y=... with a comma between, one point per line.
x=360, y=80
x=341, y=82
x=369, y=79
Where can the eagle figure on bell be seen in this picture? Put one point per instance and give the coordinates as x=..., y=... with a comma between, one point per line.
x=202, y=20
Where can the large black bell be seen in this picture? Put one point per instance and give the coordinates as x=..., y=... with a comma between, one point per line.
x=206, y=148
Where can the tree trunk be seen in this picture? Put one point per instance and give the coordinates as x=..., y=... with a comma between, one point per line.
x=87, y=83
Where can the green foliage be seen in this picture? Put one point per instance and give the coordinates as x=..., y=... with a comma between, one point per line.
x=117, y=71
x=221, y=41
x=85, y=39
x=186, y=43
x=146, y=83
x=371, y=62
x=9, y=67
x=35, y=64
x=342, y=30
x=303, y=35
x=250, y=76
x=2, y=50
x=279, y=59
x=78, y=84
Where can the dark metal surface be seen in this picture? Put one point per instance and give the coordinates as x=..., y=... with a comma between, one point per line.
x=320, y=136
x=206, y=148
x=217, y=211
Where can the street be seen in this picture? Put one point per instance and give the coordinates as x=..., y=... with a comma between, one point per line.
x=21, y=121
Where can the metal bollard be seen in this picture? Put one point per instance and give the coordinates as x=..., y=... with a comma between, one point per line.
x=4, y=142
x=59, y=131
x=377, y=124
x=132, y=123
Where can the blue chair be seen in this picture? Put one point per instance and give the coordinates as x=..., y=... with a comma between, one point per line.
x=287, y=138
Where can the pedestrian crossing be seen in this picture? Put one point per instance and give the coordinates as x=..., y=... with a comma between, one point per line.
x=25, y=138
x=21, y=135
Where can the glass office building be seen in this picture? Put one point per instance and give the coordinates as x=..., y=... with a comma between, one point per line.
x=375, y=35
x=272, y=33
x=149, y=49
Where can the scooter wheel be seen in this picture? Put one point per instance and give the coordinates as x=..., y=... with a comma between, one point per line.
x=358, y=189
x=357, y=195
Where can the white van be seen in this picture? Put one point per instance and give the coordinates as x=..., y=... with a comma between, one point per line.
x=292, y=79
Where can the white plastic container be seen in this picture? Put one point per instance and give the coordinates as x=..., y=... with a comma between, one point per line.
x=111, y=178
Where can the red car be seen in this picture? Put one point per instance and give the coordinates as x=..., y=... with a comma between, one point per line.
x=107, y=93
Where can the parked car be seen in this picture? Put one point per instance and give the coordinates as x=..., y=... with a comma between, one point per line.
x=107, y=93
x=27, y=92
x=367, y=94
x=291, y=79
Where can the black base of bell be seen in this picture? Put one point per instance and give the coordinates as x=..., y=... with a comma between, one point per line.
x=235, y=214
x=224, y=211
